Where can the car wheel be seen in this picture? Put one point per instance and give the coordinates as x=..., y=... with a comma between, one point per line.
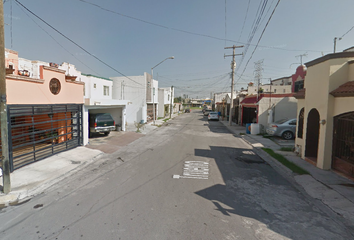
x=106, y=133
x=287, y=135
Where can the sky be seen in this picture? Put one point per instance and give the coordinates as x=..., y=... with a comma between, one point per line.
x=112, y=38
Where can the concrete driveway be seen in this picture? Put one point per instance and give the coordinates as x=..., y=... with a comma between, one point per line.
x=113, y=142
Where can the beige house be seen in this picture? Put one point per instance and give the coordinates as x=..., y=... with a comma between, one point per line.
x=325, y=112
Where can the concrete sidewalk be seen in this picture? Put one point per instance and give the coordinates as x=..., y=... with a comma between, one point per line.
x=335, y=191
x=32, y=179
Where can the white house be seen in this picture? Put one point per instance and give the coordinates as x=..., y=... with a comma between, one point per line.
x=152, y=97
x=133, y=89
x=165, y=98
x=97, y=98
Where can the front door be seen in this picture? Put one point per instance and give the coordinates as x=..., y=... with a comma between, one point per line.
x=312, y=135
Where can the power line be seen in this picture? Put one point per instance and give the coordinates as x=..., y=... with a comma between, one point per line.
x=191, y=33
x=347, y=32
x=57, y=42
x=244, y=20
x=255, y=25
x=76, y=43
x=260, y=38
x=225, y=22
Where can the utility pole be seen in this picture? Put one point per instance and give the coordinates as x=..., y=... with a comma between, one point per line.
x=233, y=66
x=335, y=43
x=258, y=74
x=152, y=85
x=171, y=109
x=5, y=161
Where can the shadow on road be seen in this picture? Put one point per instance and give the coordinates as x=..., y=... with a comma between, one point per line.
x=254, y=190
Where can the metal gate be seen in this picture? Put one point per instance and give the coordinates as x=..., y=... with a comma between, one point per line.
x=39, y=131
x=343, y=144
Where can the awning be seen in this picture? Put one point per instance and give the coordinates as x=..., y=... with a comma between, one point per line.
x=344, y=90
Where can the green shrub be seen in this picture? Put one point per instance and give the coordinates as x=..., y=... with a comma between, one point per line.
x=292, y=166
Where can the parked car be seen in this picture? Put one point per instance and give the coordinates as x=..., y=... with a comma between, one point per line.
x=101, y=123
x=283, y=128
x=213, y=116
x=187, y=110
x=206, y=112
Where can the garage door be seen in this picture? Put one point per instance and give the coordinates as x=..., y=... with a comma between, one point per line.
x=343, y=144
x=39, y=131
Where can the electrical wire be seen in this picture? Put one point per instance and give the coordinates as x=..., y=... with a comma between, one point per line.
x=11, y=25
x=83, y=49
x=225, y=22
x=255, y=25
x=58, y=42
x=347, y=32
x=265, y=27
x=191, y=33
x=244, y=20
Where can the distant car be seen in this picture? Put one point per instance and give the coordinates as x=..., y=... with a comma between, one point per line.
x=206, y=112
x=213, y=116
x=101, y=123
x=283, y=128
x=187, y=110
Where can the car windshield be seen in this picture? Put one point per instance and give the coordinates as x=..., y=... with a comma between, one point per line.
x=213, y=113
x=281, y=121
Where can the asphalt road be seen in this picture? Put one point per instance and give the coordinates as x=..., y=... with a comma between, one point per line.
x=191, y=179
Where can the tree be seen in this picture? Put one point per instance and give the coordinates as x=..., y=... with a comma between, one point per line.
x=178, y=100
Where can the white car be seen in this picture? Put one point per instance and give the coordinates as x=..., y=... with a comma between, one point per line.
x=213, y=116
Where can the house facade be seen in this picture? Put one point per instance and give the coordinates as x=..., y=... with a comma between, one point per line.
x=325, y=112
x=165, y=100
x=134, y=89
x=152, y=98
x=98, y=98
x=44, y=110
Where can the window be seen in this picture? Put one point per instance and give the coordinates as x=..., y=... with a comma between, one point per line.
x=275, y=90
x=299, y=85
x=105, y=90
x=168, y=98
x=292, y=122
x=94, y=85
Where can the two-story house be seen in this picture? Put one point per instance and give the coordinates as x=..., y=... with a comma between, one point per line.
x=325, y=112
x=44, y=109
x=98, y=98
x=134, y=89
x=165, y=101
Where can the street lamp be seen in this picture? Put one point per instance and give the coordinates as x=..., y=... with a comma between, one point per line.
x=153, y=89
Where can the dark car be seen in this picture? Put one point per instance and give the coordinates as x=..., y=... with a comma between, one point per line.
x=187, y=110
x=101, y=123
